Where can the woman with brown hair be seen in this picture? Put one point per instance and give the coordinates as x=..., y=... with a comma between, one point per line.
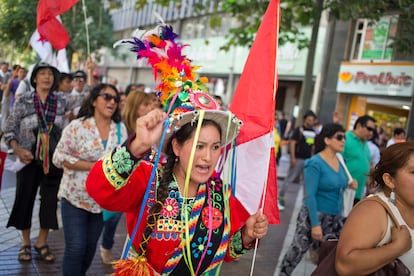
x=137, y=104
x=320, y=217
x=369, y=239
x=96, y=131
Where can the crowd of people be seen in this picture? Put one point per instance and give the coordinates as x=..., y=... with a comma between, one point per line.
x=73, y=131
x=92, y=148
x=369, y=167
x=89, y=120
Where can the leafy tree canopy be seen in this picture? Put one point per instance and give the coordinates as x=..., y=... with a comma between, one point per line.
x=299, y=13
x=18, y=22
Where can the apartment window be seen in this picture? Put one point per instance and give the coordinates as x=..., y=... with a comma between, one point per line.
x=373, y=40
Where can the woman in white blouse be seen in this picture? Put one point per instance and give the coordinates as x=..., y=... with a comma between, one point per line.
x=97, y=130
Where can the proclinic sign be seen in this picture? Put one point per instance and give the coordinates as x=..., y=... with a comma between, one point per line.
x=391, y=79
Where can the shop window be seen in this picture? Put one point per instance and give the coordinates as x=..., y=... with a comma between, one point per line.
x=373, y=40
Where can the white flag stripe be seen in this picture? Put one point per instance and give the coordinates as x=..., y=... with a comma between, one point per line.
x=252, y=167
x=43, y=49
x=62, y=61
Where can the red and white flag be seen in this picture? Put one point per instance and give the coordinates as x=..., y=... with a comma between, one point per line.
x=46, y=53
x=254, y=103
x=49, y=27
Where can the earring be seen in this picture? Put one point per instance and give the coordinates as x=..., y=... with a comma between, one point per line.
x=177, y=159
x=392, y=197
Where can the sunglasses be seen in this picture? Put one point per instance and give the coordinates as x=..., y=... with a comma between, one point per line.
x=371, y=129
x=79, y=79
x=108, y=97
x=339, y=137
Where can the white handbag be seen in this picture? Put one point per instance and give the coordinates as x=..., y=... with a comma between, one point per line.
x=349, y=194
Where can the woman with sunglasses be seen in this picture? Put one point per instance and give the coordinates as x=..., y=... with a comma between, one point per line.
x=137, y=104
x=96, y=131
x=320, y=217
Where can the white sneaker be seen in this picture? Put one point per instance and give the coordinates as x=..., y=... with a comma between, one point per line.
x=106, y=255
x=280, y=206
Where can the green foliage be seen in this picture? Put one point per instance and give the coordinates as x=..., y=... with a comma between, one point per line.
x=100, y=28
x=114, y=4
x=297, y=14
x=403, y=42
x=140, y=4
x=18, y=22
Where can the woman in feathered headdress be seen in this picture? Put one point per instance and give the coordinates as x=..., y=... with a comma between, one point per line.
x=180, y=222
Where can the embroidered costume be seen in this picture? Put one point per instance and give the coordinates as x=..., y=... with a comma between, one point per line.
x=124, y=189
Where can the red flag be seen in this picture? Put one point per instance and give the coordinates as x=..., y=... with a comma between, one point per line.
x=48, y=25
x=254, y=103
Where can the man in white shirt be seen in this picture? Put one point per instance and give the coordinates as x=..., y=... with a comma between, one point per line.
x=80, y=91
x=398, y=136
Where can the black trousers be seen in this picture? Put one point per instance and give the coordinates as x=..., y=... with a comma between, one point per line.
x=28, y=181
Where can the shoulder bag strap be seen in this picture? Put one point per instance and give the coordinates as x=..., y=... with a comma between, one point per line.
x=118, y=127
x=386, y=207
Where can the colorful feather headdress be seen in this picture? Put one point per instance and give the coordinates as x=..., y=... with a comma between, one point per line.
x=180, y=89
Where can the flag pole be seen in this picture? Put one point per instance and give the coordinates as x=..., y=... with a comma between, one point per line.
x=22, y=56
x=86, y=28
x=275, y=86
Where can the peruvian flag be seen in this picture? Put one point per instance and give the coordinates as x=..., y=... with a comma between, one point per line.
x=254, y=103
x=48, y=25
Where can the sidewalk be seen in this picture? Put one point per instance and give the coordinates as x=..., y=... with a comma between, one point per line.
x=10, y=241
x=305, y=267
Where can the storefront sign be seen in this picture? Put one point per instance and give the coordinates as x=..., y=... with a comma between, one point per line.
x=392, y=79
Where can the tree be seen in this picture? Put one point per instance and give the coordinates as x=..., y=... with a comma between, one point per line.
x=299, y=13
x=18, y=22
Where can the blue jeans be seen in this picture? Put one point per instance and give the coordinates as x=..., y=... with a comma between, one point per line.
x=82, y=230
x=109, y=231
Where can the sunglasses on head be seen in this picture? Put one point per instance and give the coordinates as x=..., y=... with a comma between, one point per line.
x=339, y=137
x=369, y=128
x=108, y=97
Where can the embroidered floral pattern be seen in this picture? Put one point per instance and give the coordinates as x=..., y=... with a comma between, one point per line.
x=111, y=174
x=121, y=160
x=198, y=247
x=170, y=208
x=216, y=217
x=236, y=245
x=81, y=141
x=216, y=185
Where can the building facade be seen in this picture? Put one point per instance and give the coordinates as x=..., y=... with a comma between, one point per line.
x=356, y=70
x=368, y=76
x=222, y=68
